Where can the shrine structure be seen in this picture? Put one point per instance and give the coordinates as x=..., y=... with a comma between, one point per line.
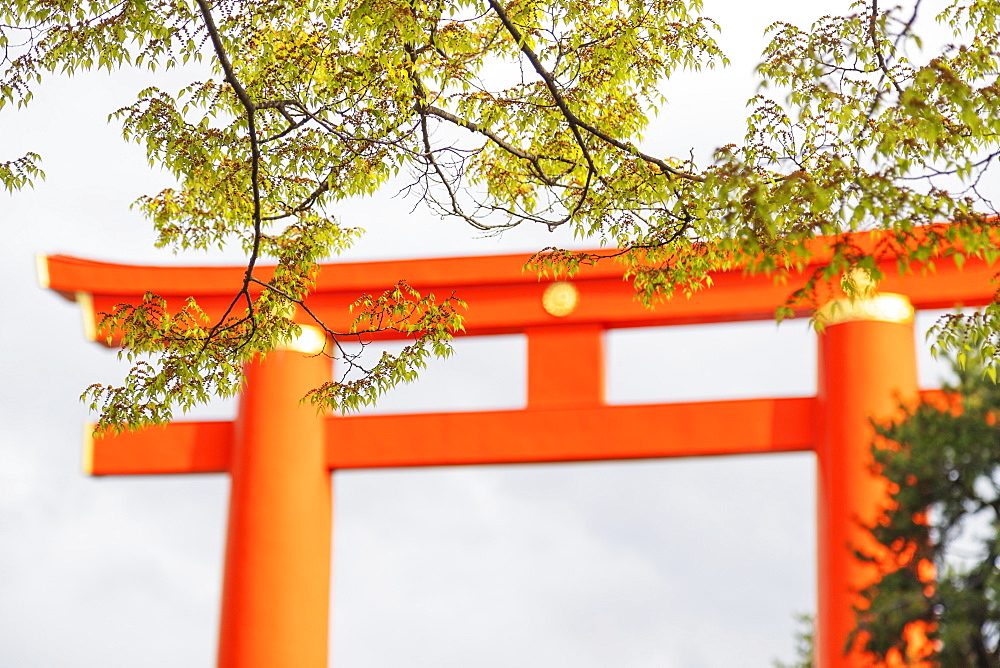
x=279, y=453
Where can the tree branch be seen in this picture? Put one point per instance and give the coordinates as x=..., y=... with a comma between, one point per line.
x=249, y=108
x=532, y=158
x=575, y=122
x=873, y=35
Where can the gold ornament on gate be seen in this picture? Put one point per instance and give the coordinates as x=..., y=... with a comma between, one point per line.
x=560, y=299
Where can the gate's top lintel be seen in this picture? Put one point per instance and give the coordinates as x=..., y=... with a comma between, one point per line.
x=502, y=296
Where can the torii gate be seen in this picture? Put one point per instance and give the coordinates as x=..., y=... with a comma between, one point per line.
x=279, y=454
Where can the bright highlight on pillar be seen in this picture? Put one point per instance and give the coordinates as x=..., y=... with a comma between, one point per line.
x=881, y=308
x=311, y=341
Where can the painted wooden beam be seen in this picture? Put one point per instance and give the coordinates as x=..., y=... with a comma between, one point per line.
x=501, y=297
x=571, y=434
x=486, y=437
x=179, y=447
x=490, y=437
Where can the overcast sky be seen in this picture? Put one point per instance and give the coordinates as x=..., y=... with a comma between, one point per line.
x=687, y=563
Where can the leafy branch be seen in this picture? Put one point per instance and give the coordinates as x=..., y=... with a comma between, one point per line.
x=508, y=113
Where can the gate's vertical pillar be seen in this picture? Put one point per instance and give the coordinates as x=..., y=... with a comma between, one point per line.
x=867, y=365
x=275, y=601
x=565, y=366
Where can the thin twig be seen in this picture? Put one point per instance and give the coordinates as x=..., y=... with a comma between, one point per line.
x=574, y=121
x=249, y=107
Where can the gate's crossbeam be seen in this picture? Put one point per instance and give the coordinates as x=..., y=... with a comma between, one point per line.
x=572, y=434
x=490, y=437
x=178, y=447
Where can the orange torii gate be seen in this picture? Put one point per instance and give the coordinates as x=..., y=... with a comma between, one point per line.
x=279, y=454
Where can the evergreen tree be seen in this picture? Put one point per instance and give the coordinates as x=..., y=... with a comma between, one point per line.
x=805, y=643
x=940, y=533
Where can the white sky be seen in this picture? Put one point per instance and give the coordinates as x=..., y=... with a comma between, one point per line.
x=684, y=563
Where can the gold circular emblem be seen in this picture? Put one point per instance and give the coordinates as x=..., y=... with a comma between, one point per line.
x=560, y=299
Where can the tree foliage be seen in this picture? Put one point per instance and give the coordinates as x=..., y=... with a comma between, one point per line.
x=805, y=643
x=503, y=113
x=941, y=531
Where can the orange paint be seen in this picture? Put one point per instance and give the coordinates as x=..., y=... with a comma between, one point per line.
x=699, y=429
x=866, y=369
x=572, y=434
x=502, y=297
x=179, y=447
x=279, y=453
x=275, y=598
x=565, y=366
